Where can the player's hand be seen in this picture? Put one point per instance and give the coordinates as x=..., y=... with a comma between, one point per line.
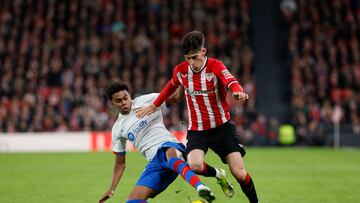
x=141, y=112
x=240, y=96
x=106, y=196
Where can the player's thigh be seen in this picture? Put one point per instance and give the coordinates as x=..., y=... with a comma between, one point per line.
x=196, y=140
x=225, y=141
x=174, y=150
x=142, y=192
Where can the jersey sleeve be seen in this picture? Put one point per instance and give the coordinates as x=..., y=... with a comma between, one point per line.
x=169, y=88
x=148, y=98
x=175, y=80
x=118, y=142
x=227, y=79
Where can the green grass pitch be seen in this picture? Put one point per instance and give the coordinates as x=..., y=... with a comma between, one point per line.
x=280, y=175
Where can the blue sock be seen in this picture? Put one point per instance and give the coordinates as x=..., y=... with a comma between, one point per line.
x=179, y=166
x=136, y=201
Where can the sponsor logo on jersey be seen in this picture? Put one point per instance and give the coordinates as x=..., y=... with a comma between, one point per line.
x=226, y=74
x=139, y=127
x=184, y=75
x=199, y=92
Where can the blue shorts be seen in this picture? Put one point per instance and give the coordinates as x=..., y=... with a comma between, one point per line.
x=157, y=175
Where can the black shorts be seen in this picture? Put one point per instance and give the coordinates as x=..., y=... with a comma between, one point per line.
x=223, y=140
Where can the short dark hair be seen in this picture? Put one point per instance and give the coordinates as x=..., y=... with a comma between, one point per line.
x=192, y=41
x=114, y=88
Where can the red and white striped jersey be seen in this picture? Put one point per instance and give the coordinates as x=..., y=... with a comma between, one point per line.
x=205, y=92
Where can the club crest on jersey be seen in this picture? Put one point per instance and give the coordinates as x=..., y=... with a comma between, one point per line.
x=209, y=76
x=131, y=136
x=226, y=74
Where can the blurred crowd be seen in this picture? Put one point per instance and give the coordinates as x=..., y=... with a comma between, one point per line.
x=324, y=57
x=58, y=56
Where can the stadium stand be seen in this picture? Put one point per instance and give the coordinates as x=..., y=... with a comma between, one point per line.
x=324, y=57
x=57, y=57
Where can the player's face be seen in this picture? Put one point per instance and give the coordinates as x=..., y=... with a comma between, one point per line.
x=122, y=101
x=196, y=59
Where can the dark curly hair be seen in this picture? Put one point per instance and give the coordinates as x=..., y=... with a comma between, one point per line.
x=114, y=88
x=192, y=41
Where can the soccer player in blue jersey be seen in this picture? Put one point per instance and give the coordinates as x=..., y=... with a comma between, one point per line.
x=149, y=135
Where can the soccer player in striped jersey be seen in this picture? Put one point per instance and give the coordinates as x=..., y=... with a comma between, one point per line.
x=149, y=135
x=205, y=81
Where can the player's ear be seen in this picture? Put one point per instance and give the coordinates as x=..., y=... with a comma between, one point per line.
x=203, y=51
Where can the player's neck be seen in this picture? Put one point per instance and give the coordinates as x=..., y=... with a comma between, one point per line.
x=125, y=113
x=204, y=61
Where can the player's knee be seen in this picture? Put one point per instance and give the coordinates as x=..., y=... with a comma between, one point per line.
x=197, y=167
x=139, y=194
x=173, y=152
x=135, y=198
x=239, y=173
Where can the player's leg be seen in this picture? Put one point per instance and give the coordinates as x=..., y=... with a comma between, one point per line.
x=197, y=147
x=155, y=178
x=199, y=166
x=231, y=152
x=238, y=170
x=176, y=162
x=196, y=161
x=140, y=194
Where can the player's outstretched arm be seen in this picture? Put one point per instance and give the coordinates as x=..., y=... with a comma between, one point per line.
x=168, y=90
x=119, y=168
x=177, y=96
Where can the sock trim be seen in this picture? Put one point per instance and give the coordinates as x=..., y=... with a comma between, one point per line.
x=176, y=164
x=195, y=181
x=136, y=201
x=204, y=169
x=179, y=166
x=247, y=178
